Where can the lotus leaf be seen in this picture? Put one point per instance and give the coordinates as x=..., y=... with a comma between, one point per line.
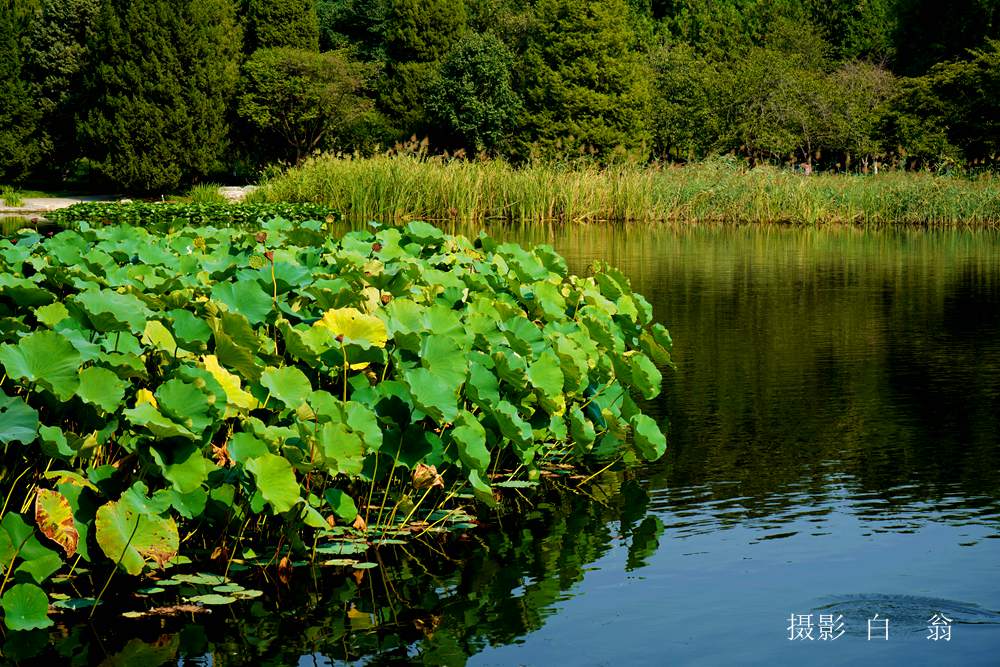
x=18, y=421
x=649, y=440
x=101, y=387
x=45, y=358
x=470, y=438
x=52, y=314
x=275, y=481
x=111, y=311
x=545, y=375
x=246, y=298
x=355, y=327
x=25, y=607
x=288, y=384
x=130, y=536
x=645, y=376
x=237, y=399
x=341, y=504
x=54, y=517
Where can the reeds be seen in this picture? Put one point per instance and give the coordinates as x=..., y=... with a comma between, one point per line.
x=206, y=193
x=11, y=196
x=398, y=188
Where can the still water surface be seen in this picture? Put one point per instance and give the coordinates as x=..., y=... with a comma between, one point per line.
x=834, y=430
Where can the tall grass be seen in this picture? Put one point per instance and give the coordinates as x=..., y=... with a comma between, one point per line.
x=206, y=193
x=11, y=196
x=406, y=187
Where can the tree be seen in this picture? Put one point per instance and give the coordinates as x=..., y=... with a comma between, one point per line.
x=685, y=108
x=418, y=34
x=282, y=23
x=20, y=148
x=473, y=95
x=582, y=80
x=306, y=99
x=57, y=58
x=861, y=94
x=164, y=71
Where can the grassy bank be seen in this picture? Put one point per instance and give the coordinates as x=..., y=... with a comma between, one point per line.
x=403, y=188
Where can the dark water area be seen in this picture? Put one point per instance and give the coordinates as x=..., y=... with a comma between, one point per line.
x=833, y=463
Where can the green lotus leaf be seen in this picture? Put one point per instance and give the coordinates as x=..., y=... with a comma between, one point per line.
x=645, y=375
x=157, y=335
x=341, y=504
x=481, y=489
x=524, y=337
x=581, y=429
x=18, y=421
x=511, y=368
x=25, y=607
x=182, y=464
x=469, y=437
x=275, y=481
x=246, y=298
x=288, y=384
x=483, y=387
x=432, y=394
x=648, y=437
x=424, y=233
x=23, y=291
x=146, y=415
x=130, y=536
x=342, y=446
x=110, y=311
x=184, y=403
x=546, y=376
x=45, y=358
x=192, y=332
x=54, y=517
x=52, y=314
x=512, y=425
x=243, y=447
x=101, y=387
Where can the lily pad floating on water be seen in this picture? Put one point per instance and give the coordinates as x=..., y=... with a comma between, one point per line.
x=339, y=562
x=342, y=548
x=76, y=603
x=202, y=579
x=212, y=599
x=365, y=566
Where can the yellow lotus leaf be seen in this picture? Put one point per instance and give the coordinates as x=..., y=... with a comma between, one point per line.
x=355, y=326
x=145, y=396
x=235, y=395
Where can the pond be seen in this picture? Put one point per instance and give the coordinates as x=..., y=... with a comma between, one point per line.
x=833, y=470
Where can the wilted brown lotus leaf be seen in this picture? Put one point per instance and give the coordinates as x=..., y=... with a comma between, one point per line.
x=425, y=476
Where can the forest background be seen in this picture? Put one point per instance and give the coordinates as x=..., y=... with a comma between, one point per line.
x=152, y=95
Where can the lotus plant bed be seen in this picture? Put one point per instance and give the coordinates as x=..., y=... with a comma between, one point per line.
x=168, y=216
x=218, y=399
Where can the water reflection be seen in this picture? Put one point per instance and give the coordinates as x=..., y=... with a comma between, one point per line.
x=833, y=432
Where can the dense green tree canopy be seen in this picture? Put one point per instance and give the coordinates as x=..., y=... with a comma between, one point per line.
x=277, y=23
x=20, y=148
x=305, y=100
x=164, y=73
x=143, y=89
x=583, y=82
x=474, y=96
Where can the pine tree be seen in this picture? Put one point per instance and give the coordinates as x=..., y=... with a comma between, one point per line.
x=418, y=34
x=20, y=149
x=282, y=23
x=164, y=73
x=584, y=85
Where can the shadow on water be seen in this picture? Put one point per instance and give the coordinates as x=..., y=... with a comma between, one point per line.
x=833, y=428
